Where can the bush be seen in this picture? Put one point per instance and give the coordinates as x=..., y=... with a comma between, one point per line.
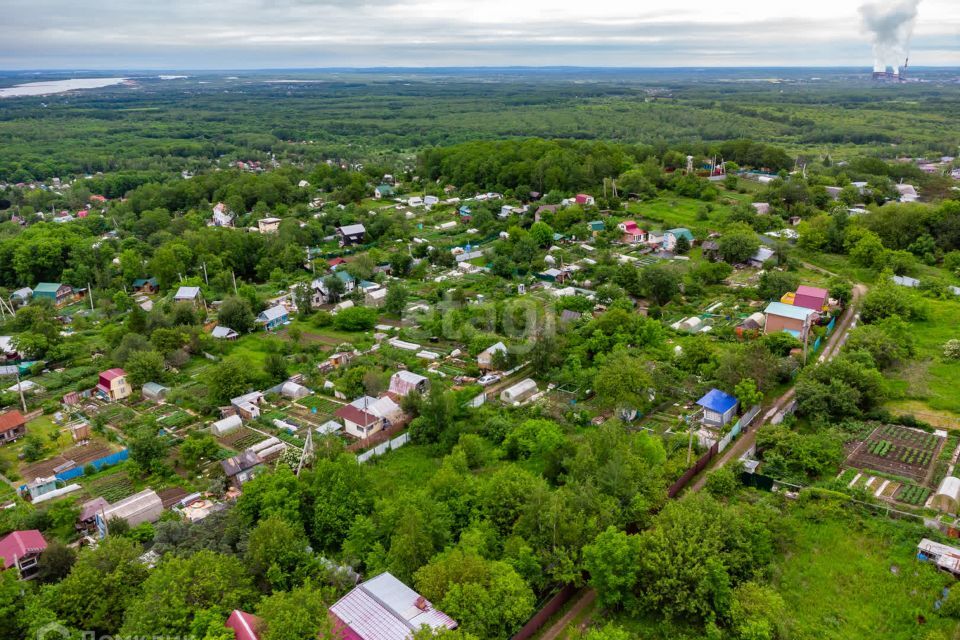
x=355, y=319
x=951, y=350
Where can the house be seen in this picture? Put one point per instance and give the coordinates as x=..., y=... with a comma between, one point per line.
x=222, y=216
x=431, y=200
x=553, y=275
x=269, y=225
x=465, y=213
x=632, y=234
x=908, y=193
x=486, y=357
x=384, y=608
x=671, y=236
x=333, y=263
x=710, y=250
x=813, y=298
x=719, y=408
x=241, y=468
x=189, y=294
x=415, y=201
x=154, y=391
x=146, y=285
x=366, y=416
x=944, y=556
x=761, y=208
x=245, y=626
x=247, y=406
x=383, y=191
x=349, y=282
x=375, y=298
x=224, y=333
x=351, y=234
x=403, y=383
x=112, y=385
x=519, y=392
x=56, y=292
x=760, y=257
x=13, y=426
x=834, y=192
x=786, y=317
x=145, y=506
x=226, y=425
x=273, y=317
x=543, y=210
x=596, y=227
x=584, y=199
x=22, y=549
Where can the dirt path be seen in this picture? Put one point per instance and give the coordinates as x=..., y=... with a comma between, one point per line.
x=742, y=444
x=584, y=599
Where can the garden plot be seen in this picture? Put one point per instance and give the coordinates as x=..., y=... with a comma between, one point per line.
x=241, y=439
x=79, y=455
x=112, y=488
x=900, y=451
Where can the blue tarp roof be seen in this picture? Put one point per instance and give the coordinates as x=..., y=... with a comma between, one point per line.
x=716, y=400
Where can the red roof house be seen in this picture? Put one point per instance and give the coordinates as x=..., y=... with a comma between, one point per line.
x=383, y=608
x=632, y=234
x=21, y=549
x=12, y=426
x=112, y=385
x=333, y=263
x=811, y=298
x=583, y=198
x=245, y=625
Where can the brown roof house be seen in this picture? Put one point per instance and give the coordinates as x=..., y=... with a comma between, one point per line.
x=12, y=426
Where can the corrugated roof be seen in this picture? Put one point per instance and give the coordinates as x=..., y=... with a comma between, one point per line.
x=46, y=287
x=11, y=420
x=273, y=313
x=187, y=293
x=384, y=608
x=20, y=543
x=352, y=229
x=716, y=400
x=788, y=311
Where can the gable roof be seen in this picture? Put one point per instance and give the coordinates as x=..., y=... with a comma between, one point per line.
x=716, y=400
x=19, y=544
x=357, y=416
x=187, y=293
x=245, y=625
x=788, y=311
x=345, y=277
x=11, y=420
x=223, y=332
x=681, y=231
x=113, y=374
x=273, y=313
x=47, y=287
x=352, y=229
x=383, y=608
x=246, y=460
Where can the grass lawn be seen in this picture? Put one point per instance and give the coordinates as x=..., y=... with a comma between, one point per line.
x=43, y=427
x=677, y=211
x=850, y=577
x=929, y=378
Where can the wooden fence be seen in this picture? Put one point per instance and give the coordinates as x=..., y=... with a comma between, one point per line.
x=546, y=612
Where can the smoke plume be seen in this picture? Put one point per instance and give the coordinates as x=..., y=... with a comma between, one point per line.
x=890, y=23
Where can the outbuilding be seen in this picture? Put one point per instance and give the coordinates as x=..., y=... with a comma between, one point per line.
x=719, y=408
x=519, y=392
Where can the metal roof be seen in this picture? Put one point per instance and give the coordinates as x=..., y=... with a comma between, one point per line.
x=273, y=313
x=187, y=293
x=352, y=229
x=20, y=543
x=716, y=400
x=788, y=311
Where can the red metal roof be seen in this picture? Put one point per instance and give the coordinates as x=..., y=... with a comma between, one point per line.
x=810, y=297
x=11, y=420
x=19, y=544
x=245, y=625
x=113, y=374
x=356, y=416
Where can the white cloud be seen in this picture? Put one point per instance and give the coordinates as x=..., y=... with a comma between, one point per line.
x=310, y=33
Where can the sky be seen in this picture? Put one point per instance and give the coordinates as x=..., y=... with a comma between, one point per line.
x=257, y=34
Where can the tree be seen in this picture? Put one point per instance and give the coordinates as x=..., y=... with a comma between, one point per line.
x=661, y=282
x=722, y=482
x=143, y=367
x=757, y=612
x=747, y=393
x=396, y=300
x=55, y=562
x=229, y=379
x=276, y=367
x=336, y=492
x=355, y=319
x=623, y=382
x=612, y=562
x=276, y=553
x=542, y=234
x=682, y=246
x=236, y=314
x=198, y=447
x=773, y=284
x=335, y=287
x=841, y=290
x=147, y=449
x=738, y=243
x=298, y=614
x=11, y=606
x=103, y=583
x=487, y=597
x=178, y=588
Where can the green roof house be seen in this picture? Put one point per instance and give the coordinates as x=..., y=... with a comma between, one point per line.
x=383, y=191
x=56, y=292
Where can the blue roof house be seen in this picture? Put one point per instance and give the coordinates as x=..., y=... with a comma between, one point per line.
x=273, y=317
x=719, y=408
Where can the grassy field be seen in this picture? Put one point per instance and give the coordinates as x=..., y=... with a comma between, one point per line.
x=406, y=468
x=43, y=427
x=846, y=577
x=677, y=211
x=929, y=378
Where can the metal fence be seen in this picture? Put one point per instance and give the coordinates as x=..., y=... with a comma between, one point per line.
x=740, y=425
x=381, y=449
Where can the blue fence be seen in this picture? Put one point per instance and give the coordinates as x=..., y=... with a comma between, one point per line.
x=833, y=323
x=100, y=463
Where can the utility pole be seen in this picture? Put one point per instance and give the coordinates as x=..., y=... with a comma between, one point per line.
x=232, y=273
x=690, y=441
x=23, y=402
x=90, y=295
x=205, y=273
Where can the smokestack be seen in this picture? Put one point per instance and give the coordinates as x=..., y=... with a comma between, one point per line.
x=890, y=24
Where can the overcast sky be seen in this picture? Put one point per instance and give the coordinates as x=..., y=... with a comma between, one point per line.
x=236, y=34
